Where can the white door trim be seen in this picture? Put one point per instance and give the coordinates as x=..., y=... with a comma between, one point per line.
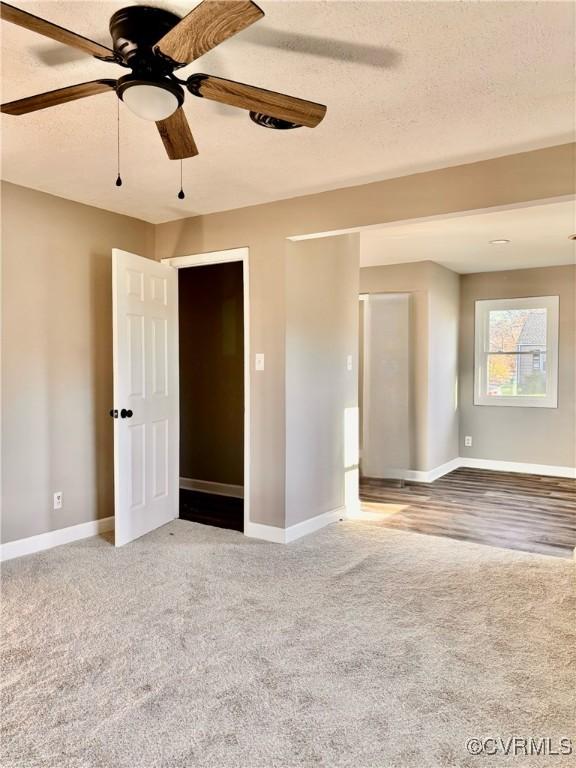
x=222, y=257
x=210, y=257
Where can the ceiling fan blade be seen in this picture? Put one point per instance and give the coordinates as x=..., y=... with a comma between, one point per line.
x=59, y=96
x=177, y=136
x=270, y=103
x=46, y=28
x=206, y=26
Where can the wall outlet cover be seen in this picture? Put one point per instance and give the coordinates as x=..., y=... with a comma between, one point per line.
x=58, y=500
x=468, y=441
x=259, y=361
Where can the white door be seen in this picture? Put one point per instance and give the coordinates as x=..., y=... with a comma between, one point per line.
x=146, y=420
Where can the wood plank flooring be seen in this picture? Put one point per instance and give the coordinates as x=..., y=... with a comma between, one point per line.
x=532, y=513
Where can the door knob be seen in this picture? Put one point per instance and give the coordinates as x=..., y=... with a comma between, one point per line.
x=114, y=413
x=126, y=414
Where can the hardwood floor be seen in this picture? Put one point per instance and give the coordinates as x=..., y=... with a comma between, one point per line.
x=532, y=513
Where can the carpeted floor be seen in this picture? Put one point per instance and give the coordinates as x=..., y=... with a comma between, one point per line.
x=358, y=646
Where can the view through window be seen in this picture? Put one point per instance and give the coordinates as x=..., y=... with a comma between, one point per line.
x=516, y=351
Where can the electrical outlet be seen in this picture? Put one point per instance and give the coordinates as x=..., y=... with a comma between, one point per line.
x=349, y=362
x=259, y=361
x=58, y=500
x=468, y=441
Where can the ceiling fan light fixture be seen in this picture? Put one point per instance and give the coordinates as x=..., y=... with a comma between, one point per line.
x=150, y=99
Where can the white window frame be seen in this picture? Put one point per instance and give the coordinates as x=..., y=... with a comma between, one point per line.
x=482, y=315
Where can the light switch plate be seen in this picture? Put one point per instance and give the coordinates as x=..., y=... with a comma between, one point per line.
x=259, y=363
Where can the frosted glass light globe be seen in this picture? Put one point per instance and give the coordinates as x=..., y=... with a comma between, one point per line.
x=150, y=102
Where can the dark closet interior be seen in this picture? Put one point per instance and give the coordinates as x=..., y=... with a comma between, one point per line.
x=211, y=340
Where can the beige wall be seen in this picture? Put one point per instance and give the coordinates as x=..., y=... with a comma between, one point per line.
x=57, y=379
x=434, y=354
x=321, y=331
x=443, y=423
x=57, y=357
x=264, y=229
x=211, y=345
x=533, y=435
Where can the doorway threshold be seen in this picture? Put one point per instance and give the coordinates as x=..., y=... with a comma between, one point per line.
x=212, y=509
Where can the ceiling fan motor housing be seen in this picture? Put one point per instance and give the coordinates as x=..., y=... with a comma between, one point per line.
x=135, y=30
x=266, y=121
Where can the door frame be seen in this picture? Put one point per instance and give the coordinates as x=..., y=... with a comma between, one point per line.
x=223, y=257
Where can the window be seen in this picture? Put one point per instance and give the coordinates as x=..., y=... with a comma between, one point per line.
x=517, y=352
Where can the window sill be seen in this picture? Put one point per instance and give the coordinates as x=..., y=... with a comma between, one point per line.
x=516, y=402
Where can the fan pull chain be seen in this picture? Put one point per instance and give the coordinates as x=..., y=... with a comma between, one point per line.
x=181, y=194
x=119, y=179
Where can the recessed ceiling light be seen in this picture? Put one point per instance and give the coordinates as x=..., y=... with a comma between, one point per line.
x=498, y=242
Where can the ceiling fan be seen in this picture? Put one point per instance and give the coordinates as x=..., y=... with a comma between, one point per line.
x=154, y=43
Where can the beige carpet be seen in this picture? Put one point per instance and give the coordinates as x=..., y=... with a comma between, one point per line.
x=357, y=646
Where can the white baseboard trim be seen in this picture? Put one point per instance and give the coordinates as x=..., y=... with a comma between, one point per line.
x=518, y=466
x=265, y=532
x=419, y=476
x=272, y=533
x=286, y=535
x=54, y=538
x=207, y=486
x=313, y=524
x=422, y=476
x=443, y=469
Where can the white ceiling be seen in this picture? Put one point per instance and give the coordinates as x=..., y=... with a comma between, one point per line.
x=538, y=234
x=409, y=86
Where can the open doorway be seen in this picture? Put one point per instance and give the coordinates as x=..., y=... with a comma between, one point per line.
x=211, y=378
x=147, y=387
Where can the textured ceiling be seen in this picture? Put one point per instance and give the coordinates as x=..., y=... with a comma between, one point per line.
x=538, y=234
x=409, y=86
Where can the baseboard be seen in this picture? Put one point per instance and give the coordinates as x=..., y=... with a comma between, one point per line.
x=286, y=535
x=421, y=476
x=273, y=533
x=518, y=466
x=265, y=532
x=418, y=476
x=51, y=539
x=442, y=470
x=313, y=524
x=207, y=486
